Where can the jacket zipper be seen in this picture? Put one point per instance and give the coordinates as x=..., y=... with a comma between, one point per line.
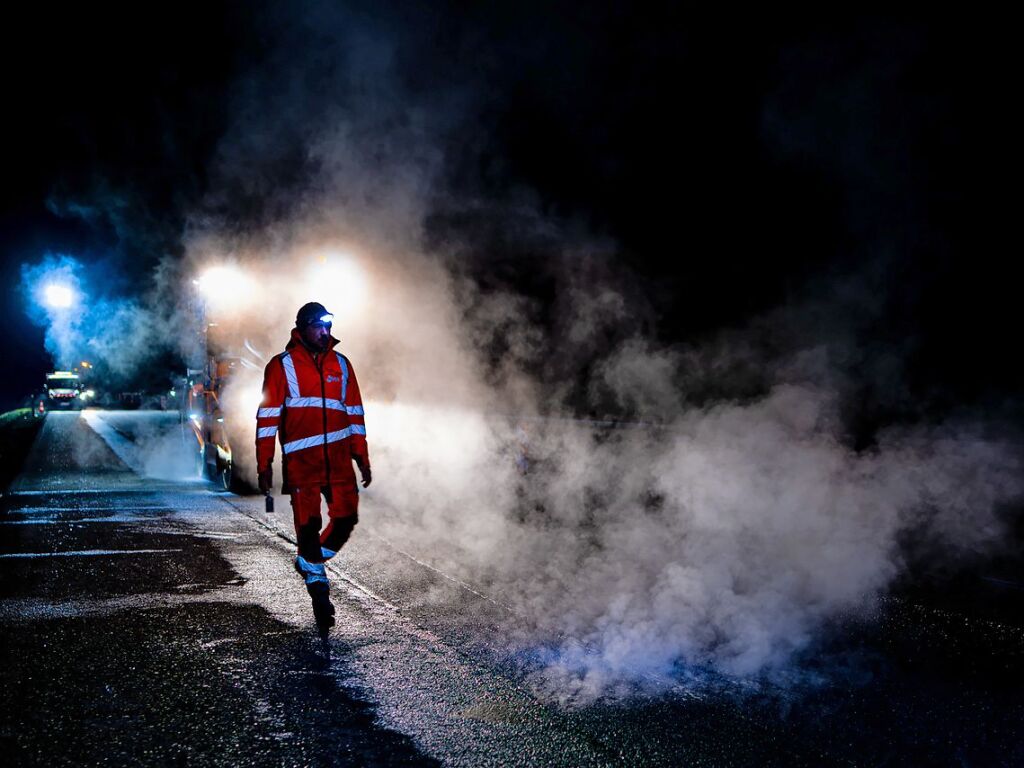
x=318, y=360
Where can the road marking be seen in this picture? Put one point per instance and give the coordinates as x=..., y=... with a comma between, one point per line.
x=334, y=569
x=126, y=450
x=27, y=510
x=440, y=573
x=168, y=486
x=88, y=553
x=71, y=521
x=194, y=534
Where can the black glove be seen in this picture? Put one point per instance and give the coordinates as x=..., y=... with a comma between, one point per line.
x=265, y=480
x=367, y=474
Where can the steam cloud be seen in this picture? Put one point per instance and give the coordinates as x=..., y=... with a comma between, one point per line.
x=120, y=336
x=722, y=529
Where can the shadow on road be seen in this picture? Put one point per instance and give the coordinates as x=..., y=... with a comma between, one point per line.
x=205, y=682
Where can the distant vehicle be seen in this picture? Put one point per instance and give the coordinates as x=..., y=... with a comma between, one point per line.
x=63, y=390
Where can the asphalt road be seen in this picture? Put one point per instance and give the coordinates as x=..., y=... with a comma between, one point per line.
x=148, y=619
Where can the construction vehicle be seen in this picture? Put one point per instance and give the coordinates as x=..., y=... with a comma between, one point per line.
x=205, y=425
x=204, y=415
x=221, y=390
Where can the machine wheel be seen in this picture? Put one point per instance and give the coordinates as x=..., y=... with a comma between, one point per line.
x=210, y=470
x=225, y=476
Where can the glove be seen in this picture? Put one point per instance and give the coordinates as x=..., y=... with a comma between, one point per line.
x=265, y=480
x=366, y=473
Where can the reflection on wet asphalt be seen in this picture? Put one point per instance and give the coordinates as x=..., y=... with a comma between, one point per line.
x=155, y=621
x=132, y=645
x=200, y=682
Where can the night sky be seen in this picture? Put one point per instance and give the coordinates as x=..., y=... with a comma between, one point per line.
x=737, y=163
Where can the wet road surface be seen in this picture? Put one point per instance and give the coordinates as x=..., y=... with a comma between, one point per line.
x=147, y=619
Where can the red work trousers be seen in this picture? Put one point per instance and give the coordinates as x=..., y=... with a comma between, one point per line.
x=342, y=512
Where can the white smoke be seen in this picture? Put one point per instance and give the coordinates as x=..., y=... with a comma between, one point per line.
x=723, y=533
x=63, y=325
x=118, y=335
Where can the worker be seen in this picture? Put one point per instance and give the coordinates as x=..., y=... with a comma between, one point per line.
x=311, y=402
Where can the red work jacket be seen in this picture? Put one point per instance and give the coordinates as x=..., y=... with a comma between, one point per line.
x=312, y=404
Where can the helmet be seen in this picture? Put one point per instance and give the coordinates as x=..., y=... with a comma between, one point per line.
x=313, y=312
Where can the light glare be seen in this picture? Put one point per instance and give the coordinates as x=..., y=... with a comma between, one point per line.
x=59, y=296
x=341, y=281
x=226, y=286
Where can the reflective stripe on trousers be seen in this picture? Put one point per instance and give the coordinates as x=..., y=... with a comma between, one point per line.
x=311, y=572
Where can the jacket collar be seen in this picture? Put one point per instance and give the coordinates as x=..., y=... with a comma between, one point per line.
x=295, y=342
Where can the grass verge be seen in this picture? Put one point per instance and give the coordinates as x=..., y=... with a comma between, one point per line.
x=18, y=429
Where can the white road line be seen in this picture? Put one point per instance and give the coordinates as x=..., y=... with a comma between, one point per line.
x=333, y=568
x=197, y=534
x=109, y=491
x=122, y=447
x=27, y=510
x=87, y=553
x=440, y=573
x=72, y=521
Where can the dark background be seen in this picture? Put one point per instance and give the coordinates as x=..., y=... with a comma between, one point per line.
x=737, y=162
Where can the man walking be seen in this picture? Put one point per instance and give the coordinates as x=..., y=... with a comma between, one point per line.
x=311, y=401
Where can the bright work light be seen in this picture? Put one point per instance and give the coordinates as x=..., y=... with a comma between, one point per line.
x=226, y=286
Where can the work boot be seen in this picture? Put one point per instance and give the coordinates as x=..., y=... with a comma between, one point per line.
x=323, y=609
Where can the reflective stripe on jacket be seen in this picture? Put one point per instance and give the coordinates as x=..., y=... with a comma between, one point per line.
x=313, y=406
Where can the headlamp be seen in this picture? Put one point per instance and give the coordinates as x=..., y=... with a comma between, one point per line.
x=313, y=313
